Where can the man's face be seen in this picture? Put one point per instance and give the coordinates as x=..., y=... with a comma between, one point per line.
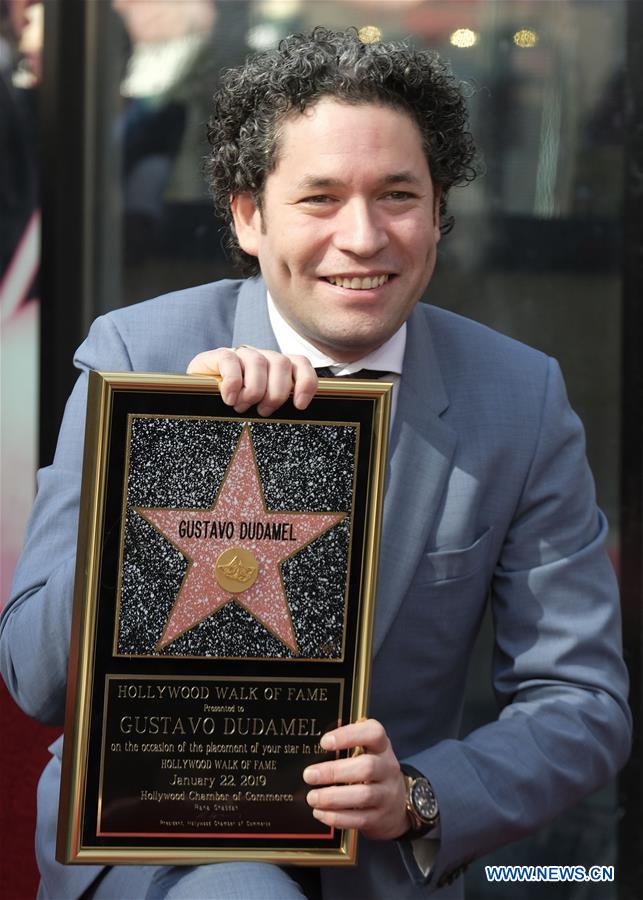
x=347, y=234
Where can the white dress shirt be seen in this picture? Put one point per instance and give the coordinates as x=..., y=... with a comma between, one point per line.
x=387, y=359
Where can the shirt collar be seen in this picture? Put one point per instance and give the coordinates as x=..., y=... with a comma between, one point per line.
x=387, y=358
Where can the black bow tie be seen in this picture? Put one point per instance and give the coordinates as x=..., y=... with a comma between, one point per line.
x=327, y=372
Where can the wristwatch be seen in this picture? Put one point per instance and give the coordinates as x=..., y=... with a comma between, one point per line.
x=421, y=803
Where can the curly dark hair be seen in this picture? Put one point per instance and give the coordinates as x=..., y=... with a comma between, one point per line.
x=254, y=99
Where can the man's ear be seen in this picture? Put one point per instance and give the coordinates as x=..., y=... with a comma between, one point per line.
x=437, y=196
x=247, y=222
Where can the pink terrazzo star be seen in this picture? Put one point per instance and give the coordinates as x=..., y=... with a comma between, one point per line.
x=240, y=500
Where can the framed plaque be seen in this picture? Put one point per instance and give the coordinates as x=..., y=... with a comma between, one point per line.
x=222, y=622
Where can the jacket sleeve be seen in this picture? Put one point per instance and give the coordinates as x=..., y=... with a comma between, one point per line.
x=564, y=728
x=36, y=622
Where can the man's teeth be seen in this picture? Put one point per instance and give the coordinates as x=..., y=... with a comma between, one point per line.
x=360, y=284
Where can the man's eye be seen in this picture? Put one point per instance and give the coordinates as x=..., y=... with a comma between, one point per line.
x=400, y=195
x=317, y=199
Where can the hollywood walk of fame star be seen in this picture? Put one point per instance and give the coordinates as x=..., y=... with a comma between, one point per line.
x=240, y=500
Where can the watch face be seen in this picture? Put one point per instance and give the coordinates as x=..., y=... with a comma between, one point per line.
x=423, y=800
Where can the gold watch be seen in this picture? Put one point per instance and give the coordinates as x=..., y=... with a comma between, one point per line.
x=421, y=803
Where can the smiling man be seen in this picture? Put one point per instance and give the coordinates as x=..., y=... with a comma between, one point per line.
x=332, y=161
x=347, y=226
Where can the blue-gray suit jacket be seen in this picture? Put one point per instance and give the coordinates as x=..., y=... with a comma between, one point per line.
x=489, y=499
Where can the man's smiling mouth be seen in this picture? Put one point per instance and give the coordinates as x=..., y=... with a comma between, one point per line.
x=358, y=284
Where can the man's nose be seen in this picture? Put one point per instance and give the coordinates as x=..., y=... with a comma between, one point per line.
x=360, y=230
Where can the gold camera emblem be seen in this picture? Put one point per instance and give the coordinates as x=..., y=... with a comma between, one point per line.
x=236, y=570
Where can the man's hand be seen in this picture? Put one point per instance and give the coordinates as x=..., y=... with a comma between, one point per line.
x=367, y=791
x=262, y=377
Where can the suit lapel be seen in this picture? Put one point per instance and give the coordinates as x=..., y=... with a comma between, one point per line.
x=420, y=454
x=251, y=321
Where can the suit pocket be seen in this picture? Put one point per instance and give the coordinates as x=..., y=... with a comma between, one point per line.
x=456, y=564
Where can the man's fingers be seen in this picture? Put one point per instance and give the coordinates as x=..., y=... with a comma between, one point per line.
x=369, y=734
x=305, y=381
x=362, y=819
x=286, y=375
x=225, y=363
x=279, y=384
x=365, y=791
x=368, y=821
x=255, y=378
x=345, y=771
x=346, y=796
x=264, y=378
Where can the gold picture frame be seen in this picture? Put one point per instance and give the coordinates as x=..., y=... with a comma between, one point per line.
x=223, y=615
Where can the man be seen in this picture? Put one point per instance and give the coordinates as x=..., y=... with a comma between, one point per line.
x=332, y=160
